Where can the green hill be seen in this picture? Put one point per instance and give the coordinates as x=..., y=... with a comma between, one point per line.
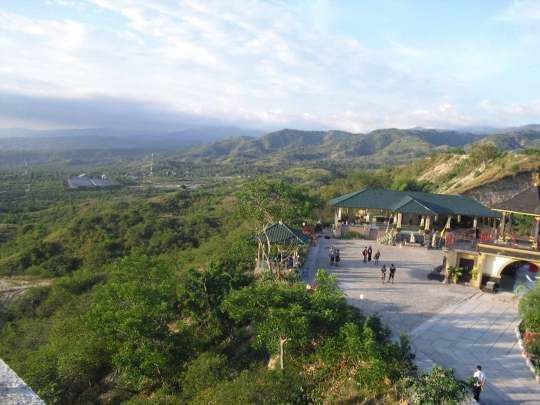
x=288, y=146
x=515, y=140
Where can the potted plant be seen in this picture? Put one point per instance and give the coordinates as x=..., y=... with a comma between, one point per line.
x=454, y=273
x=474, y=274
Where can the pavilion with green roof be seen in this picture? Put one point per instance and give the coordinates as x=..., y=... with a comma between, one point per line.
x=411, y=210
x=288, y=239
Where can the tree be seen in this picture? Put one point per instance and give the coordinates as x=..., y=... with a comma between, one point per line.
x=263, y=203
x=407, y=184
x=283, y=312
x=483, y=152
x=279, y=312
x=439, y=387
x=136, y=316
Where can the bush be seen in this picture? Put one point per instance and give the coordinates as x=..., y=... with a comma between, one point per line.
x=351, y=235
x=439, y=386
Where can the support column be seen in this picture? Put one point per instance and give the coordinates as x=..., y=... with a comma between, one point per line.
x=459, y=219
x=427, y=224
x=503, y=226
x=447, y=226
x=399, y=219
x=475, y=222
x=422, y=221
x=335, y=216
x=508, y=229
x=536, y=229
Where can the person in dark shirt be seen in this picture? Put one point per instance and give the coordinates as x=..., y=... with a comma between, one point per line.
x=365, y=253
x=392, y=273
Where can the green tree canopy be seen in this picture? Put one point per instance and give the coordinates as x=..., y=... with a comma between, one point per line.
x=265, y=202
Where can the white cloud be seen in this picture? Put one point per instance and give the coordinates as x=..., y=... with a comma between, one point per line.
x=521, y=11
x=531, y=110
x=259, y=63
x=405, y=49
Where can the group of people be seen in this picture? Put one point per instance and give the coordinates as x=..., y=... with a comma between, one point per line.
x=290, y=261
x=367, y=253
x=334, y=257
x=390, y=276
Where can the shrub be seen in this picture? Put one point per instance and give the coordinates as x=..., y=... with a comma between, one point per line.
x=351, y=235
x=439, y=386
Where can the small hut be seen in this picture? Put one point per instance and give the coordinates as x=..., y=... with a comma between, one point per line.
x=286, y=239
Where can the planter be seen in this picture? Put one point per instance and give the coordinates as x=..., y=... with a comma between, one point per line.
x=528, y=361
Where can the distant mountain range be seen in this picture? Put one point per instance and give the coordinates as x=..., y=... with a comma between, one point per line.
x=105, y=138
x=379, y=147
x=288, y=146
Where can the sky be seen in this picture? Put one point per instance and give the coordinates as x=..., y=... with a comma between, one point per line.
x=357, y=66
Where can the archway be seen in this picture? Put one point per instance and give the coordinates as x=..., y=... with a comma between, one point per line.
x=515, y=274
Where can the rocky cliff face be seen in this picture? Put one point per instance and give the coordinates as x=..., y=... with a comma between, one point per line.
x=501, y=190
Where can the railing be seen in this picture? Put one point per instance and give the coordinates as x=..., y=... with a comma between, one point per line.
x=466, y=239
x=513, y=243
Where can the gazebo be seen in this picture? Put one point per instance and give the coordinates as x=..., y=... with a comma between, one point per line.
x=525, y=203
x=409, y=211
x=498, y=259
x=286, y=238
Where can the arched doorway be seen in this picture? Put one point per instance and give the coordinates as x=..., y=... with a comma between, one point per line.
x=515, y=274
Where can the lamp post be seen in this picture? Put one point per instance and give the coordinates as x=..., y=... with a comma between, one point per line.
x=362, y=300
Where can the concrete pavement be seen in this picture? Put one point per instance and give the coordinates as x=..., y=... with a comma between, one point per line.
x=453, y=325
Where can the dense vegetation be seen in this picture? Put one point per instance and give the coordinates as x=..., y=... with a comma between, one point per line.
x=529, y=310
x=153, y=302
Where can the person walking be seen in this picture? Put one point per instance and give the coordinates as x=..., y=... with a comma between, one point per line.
x=392, y=273
x=377, y=257
x=330, y=252
x=332, y=257
x=337, y=258
x=383, y=273
x=364, y=253
x=369, y=252
x=479, y=385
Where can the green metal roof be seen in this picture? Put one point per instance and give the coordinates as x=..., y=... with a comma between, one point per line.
x=411, y=206
x=414, y=202
x=281, y=233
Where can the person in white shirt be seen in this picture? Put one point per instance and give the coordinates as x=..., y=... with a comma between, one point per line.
x=479, y=386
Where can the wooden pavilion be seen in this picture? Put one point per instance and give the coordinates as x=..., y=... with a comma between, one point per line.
x=409, y=211
x=286, y=239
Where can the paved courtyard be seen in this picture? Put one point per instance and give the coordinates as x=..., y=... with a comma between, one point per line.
x=404, y=305
x=452, y=325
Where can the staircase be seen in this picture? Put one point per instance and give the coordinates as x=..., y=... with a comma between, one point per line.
x=387, y=238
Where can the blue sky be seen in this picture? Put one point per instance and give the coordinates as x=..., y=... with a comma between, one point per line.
x=350, y=65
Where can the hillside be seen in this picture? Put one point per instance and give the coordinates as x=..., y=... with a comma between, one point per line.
x=502, y=177
x=515, y=140
x=380, y=147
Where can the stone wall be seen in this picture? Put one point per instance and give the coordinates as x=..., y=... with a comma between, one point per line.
x=13, y=390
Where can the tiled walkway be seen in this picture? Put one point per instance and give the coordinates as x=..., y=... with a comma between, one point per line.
x=452, y=325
